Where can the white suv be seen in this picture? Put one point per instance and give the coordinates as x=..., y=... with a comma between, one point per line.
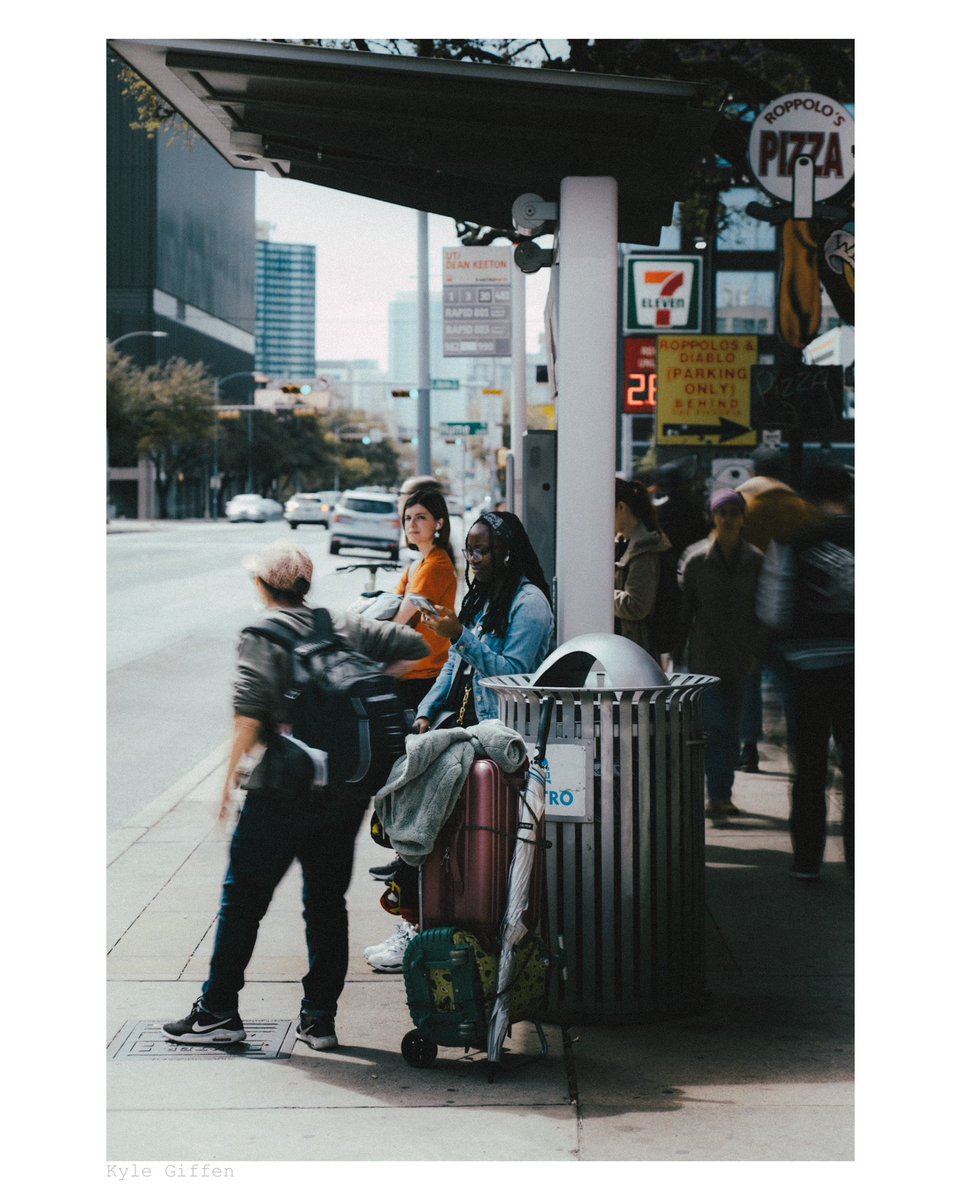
x=366, y=519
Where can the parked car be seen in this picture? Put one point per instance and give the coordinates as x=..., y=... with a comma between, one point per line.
x=310, y=508
x=366, y=519
x=252, y=507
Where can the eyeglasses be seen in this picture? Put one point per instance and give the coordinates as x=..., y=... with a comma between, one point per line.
x=477, y=552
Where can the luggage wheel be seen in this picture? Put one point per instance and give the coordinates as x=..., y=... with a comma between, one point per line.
x=417, y=1050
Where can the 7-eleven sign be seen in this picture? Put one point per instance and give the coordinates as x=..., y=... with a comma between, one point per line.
x=662, y=294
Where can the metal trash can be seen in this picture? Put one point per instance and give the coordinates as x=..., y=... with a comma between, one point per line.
x=625, y=819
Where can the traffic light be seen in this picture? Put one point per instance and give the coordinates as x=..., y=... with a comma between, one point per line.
x=296, y=389
x=399, y=392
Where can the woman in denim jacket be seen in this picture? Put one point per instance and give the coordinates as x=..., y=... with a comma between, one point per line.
x=505, y=625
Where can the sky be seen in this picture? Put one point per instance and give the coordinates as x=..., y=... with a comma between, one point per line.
x=366, y=255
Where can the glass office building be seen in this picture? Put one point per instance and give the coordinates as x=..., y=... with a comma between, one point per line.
x=286, y=310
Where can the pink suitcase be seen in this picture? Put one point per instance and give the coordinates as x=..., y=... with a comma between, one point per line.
x=464, y=879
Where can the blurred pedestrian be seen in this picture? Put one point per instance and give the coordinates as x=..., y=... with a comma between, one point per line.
x=807, y=597
x=679, y=506
x=644, y=553
x=719, y=578
x=284, y=815
x=774, y=511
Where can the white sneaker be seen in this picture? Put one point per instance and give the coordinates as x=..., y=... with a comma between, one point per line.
x=389, y=955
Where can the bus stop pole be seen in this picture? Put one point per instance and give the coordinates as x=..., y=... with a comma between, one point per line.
x=587, y=387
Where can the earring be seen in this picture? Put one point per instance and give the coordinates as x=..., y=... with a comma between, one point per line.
x=436, y=534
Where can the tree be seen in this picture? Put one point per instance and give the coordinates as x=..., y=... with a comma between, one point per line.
x=171, y=410
x=124, y=380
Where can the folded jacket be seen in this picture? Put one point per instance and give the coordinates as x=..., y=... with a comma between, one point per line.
x=423, y=786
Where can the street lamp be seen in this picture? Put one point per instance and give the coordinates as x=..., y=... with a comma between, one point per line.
x=154, y=333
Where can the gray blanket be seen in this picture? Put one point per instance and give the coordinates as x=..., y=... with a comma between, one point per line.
x=423, y=786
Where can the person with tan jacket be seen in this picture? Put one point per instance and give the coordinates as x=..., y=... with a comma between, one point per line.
x=639, y=563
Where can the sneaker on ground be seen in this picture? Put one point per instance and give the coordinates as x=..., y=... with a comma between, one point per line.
x=317, y=1032
x=749, y=760
x=387, y=871
x=390, y=956
x=203, y=1028
x=403, y=932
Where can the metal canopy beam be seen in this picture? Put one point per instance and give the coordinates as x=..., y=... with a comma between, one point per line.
x=458, y=139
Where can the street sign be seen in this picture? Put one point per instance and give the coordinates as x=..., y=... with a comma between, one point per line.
x=704, y=389
x=463, y=428
x=477, y=301
x=445, y=385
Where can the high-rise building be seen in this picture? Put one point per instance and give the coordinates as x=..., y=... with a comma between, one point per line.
x=180, y=261
x=286, y=307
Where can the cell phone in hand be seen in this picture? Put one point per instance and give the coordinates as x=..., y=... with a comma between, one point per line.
x=423, y=604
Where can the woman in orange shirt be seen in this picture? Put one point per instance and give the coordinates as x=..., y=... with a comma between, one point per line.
x=433, y=576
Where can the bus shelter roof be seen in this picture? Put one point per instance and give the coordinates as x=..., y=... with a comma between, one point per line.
x=458, y=139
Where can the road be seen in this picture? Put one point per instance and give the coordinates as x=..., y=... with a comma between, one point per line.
x=177, y=596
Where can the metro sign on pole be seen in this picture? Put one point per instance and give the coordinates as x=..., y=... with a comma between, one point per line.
x=477, y=301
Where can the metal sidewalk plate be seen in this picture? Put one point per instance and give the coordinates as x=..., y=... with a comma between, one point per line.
x=145, y=1040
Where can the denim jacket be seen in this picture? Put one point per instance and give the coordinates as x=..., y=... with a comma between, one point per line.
x=529, y=632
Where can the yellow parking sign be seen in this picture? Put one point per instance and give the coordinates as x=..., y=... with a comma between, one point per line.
x=704, y=390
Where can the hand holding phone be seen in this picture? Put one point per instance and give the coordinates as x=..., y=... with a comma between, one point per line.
x=423, y=604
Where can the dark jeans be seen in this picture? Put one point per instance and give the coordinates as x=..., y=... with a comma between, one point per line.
x=823, y=707
x=722, y=706
x=271, y=832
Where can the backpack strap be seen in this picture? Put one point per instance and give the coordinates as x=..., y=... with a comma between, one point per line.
x=324, y=627
x=274, y=631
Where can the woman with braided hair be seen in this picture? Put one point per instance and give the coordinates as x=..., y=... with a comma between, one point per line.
x=505, y=625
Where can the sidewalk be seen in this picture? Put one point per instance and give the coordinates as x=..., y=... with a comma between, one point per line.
x=764, y=1072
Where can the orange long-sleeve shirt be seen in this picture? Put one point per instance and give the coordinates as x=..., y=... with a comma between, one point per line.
x=435, y=578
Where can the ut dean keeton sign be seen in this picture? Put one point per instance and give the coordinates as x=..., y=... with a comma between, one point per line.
x=704, y=390
x=662, y=293
x=477, y=301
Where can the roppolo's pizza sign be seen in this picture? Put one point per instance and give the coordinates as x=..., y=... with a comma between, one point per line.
x=803, y=127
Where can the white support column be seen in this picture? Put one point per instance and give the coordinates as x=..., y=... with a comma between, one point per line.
x=586, y=405
x=518, y=385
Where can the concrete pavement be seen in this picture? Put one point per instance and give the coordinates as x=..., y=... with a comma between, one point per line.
x=763, y=1073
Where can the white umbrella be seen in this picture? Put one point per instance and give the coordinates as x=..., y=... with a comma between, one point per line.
x=513, y=927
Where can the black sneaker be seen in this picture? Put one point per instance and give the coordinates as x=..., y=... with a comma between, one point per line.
x=317, y=1032
x=749, y=761
x=202, y=1028
x=386, y=872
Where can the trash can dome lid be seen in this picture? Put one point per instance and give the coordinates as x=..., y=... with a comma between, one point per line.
x=623, y=662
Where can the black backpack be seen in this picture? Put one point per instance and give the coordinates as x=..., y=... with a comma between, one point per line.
x=664, y=619
x=341, y=702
